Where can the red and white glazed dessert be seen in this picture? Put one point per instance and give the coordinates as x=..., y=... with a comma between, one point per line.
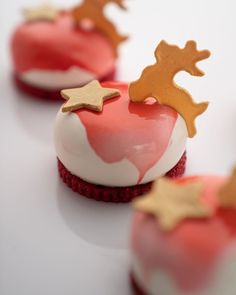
x=126, y=145
x=54, y=49
x=111, y=148
x=183, y=238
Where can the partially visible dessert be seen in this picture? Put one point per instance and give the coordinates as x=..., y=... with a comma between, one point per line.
x=183, y=238
x=55, y=49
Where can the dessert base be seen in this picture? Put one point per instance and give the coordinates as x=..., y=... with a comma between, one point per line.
x=113, y=194
x=50, y=94
x=135, y=287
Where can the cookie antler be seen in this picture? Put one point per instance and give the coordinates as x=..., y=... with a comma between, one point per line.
x=158, y=81
x=194, y=56
x=94, y=10
x=120, y=3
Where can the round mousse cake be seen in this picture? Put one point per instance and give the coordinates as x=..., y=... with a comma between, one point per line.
x=49, y=55
x=183, y=238
x=113, y=140
x=114, y=155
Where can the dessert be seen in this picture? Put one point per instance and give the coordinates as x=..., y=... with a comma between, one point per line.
x=55, y=49
x=110, y=147
x=183, y=239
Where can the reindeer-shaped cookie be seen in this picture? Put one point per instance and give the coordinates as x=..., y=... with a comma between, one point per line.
x=158, y=81
x=94, y=10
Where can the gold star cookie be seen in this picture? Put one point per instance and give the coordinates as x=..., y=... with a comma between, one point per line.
x=91, y=96
x=227, y=193
x=44, y=12
x=171, y=203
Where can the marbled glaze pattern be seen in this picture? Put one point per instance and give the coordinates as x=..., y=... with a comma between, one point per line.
x=127, y=144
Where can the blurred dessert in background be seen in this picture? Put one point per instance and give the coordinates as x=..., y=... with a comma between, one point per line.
x=55, y=49
x=183, y=237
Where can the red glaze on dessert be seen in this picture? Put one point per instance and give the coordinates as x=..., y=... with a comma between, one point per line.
x=190, y=252
x=139, y=132
x=60, y=45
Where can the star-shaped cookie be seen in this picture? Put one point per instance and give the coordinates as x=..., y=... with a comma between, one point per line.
x=91, y=96
x=44, y=12
x=171, y=203
x=227, y=193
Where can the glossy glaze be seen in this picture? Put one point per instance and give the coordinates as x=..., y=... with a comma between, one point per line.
x=139, y=132
x=60, y=45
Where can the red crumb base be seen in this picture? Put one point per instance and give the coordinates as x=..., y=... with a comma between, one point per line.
x=179, y=168
x=47, y=94
x=113, y=194
x=136, y=288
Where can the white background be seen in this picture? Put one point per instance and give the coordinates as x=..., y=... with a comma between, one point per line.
x=51, y=241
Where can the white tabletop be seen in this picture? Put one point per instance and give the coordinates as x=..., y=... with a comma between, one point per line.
x=53, y=242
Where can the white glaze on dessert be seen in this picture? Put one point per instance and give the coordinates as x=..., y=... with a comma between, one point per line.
x=57, y=79
x=222, y=279
x=75, y=152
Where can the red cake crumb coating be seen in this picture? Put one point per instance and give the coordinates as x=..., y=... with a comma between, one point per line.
x=179, y=169
x=112, y=194
x=189, y=253
x=137, y=290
